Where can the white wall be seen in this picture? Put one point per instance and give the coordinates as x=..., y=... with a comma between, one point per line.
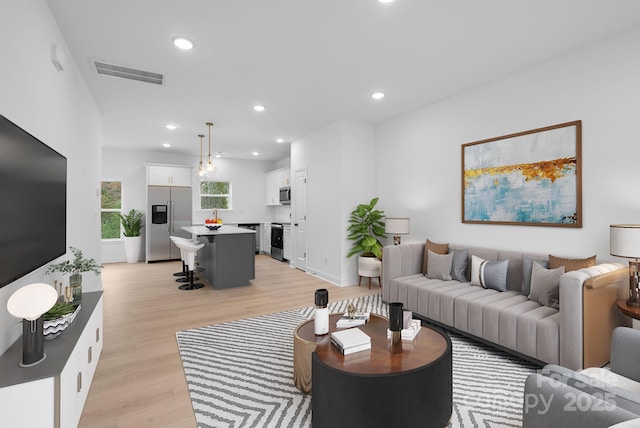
x=338, y=159
x=57, y=108
x=247, y=179
x=419, y=154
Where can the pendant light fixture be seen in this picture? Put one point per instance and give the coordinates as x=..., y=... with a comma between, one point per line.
x=210, y=166
x=200, y=167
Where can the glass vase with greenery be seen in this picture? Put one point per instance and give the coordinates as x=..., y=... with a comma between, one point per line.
x=75, y=268
x=366, y=226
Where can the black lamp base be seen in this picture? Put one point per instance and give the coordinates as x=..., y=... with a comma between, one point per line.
x=22, y=363
x=32, y=342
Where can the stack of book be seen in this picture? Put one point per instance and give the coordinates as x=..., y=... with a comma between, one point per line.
x=359, y=318
x=351, y=340
x=410, y=332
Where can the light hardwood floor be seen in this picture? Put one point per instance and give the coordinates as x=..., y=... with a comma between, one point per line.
x=139, y=381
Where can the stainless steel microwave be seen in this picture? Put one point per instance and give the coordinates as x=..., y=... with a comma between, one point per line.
x=285, y=195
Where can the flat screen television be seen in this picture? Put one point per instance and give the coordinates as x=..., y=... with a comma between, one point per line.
x=33, y=203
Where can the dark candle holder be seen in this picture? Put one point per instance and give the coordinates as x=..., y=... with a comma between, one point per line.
x=395, y=325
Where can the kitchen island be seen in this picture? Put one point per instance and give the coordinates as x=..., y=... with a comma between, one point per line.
x=228, y=256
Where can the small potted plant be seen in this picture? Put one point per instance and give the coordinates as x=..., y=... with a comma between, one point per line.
x=366, y=226
x=132, y=225
x=75, y=268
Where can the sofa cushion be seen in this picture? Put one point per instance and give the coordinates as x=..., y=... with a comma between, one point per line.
x=571, y=264
x=527, y=329
x=439, y=266
x=545, y=285
x=459, y=265
x=611, y=378
x=436, y=248
x=489, y=274
x=527, y=265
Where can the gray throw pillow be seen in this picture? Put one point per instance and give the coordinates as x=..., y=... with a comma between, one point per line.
x=489, y=274
x=459, y=265
x=439, y=266
x=527, y=264
x=545, y=285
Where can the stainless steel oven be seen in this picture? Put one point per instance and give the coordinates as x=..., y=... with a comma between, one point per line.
x=277, y=244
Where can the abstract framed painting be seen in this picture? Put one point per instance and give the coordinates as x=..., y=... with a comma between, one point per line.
x=531, y=178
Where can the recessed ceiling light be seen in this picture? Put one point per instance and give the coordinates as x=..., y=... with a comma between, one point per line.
x=182, y=43
x=377, y=95
x=171, y=126
x=279, y=140
x=259, y=108
x=218, y=154
x=385, y=1
x=166, y=145
x=255, y=153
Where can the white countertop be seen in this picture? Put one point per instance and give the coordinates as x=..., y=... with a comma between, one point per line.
x=224, y=230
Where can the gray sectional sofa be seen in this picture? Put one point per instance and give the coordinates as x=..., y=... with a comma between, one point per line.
x=575, y=335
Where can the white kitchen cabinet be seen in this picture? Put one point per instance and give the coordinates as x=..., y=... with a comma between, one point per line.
x=77, y=374
x=286, y=241
x=166, y=175
x=59, y=385
x=274, y=180
x=271, y=196
x=265, y=242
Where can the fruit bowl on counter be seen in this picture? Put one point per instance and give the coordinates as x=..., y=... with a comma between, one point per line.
x=213, y=223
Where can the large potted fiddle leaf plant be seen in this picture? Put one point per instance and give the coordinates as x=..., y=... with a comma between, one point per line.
x=366, y=225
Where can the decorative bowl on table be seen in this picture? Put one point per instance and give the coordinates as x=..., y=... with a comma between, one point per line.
x=54, y=328
x=213, y=226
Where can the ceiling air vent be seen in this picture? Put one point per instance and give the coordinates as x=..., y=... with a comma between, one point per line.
x=128, y=73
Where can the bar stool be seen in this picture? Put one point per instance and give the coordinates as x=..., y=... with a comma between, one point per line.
x=189, y=250
x=184, y=275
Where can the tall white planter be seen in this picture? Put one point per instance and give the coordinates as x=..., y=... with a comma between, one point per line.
x=132, y=248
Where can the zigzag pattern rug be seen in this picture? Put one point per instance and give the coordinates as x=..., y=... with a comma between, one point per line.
x=240, y=374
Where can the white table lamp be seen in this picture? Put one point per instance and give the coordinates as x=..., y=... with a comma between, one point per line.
x=30, y=303
x=398, y=226
x=624, y=241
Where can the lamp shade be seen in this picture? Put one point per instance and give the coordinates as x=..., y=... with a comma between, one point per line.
x=396, y=225
x=624, y=240
x=31, y=301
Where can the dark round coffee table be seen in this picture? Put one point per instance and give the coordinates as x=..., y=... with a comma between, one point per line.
x=378, y=389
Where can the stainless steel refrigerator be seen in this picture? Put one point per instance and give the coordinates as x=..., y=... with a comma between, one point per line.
x=169, y=210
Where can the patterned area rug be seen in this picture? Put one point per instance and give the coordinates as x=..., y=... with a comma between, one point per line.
x=240, y=374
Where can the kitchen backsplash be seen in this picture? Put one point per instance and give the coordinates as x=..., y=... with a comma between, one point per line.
x=279, y=213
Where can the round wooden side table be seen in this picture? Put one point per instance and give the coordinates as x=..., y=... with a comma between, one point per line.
x=630, y=311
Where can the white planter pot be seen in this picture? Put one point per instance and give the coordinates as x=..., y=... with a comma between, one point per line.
x=132, y=248
x=369, y=267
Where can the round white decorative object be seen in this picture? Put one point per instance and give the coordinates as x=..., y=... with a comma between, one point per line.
x=31, y=301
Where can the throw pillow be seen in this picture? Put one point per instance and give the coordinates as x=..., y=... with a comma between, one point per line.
x=489, y=274
x=571, y=264
x=439, y=266
x=527, y=264
x=459, y=265
x=545, y=285
x=436, y=248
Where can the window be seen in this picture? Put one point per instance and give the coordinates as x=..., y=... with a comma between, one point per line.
x=215, y=194
x=110, y=205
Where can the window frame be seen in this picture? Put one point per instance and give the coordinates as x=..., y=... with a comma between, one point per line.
x=228, y=195
x=111, y=210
